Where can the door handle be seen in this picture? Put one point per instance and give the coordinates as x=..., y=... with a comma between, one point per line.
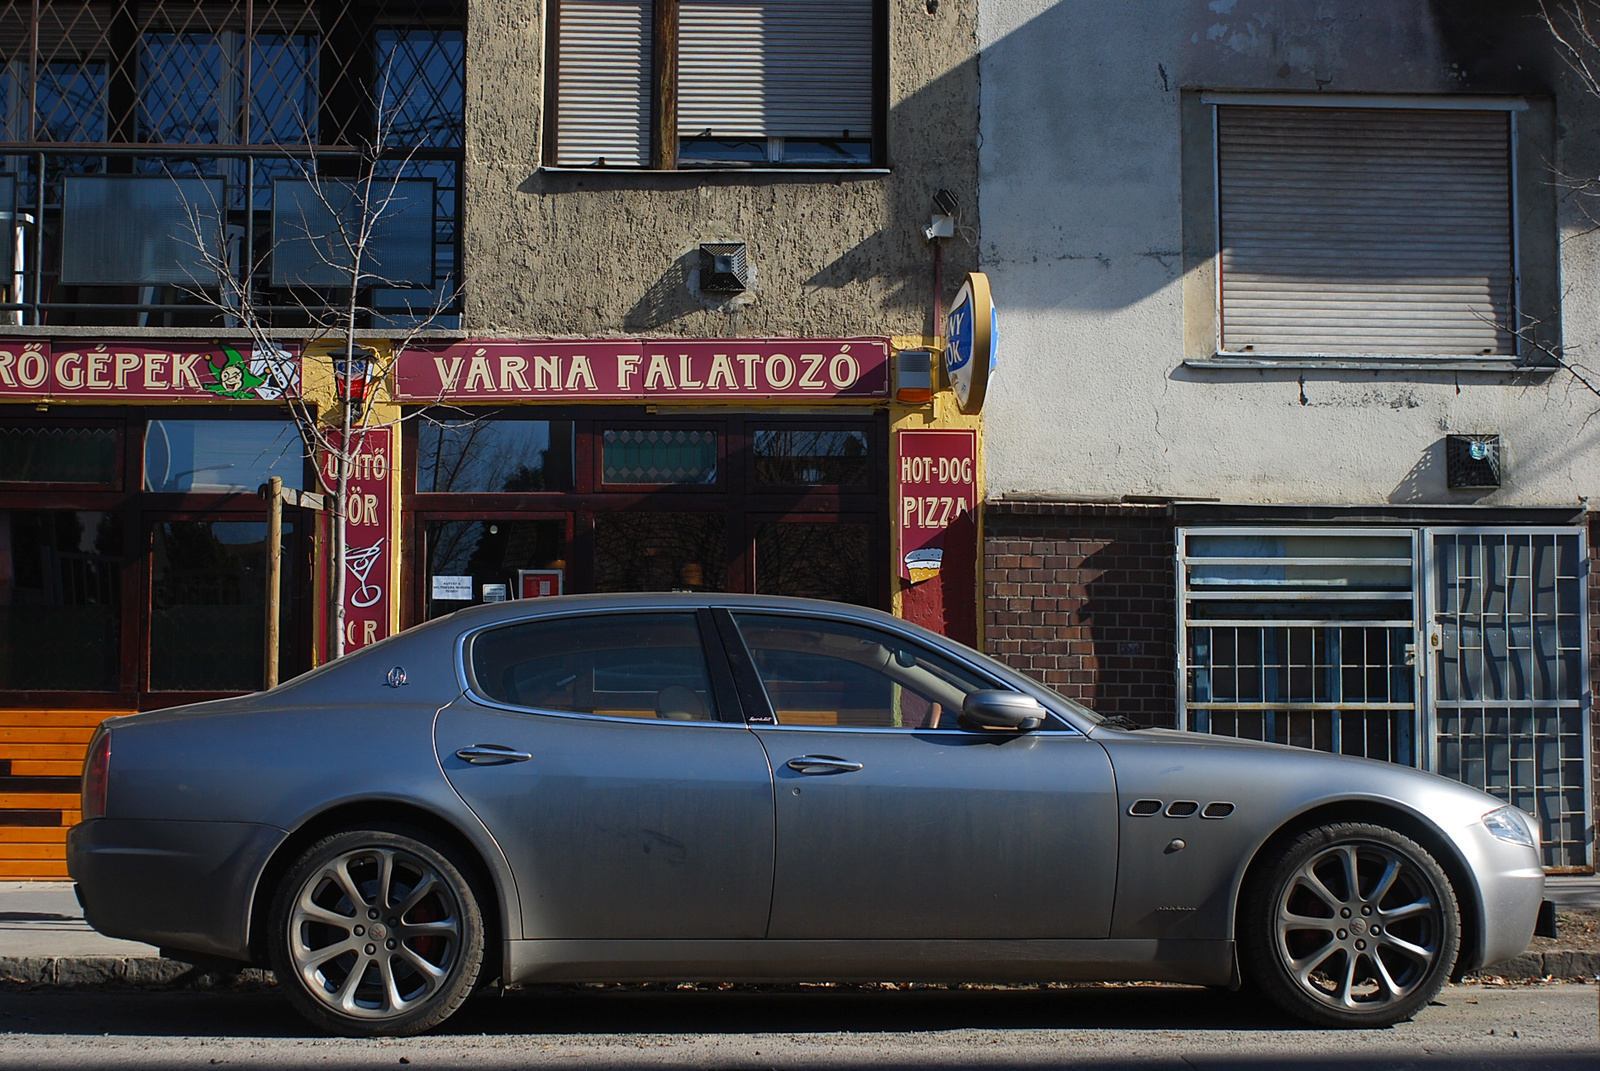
x=491, y=755
x=822, y=764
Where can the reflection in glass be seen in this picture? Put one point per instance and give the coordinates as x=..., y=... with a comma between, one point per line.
x=659, y=456
x=815, y=560
x=838, y=674
x=811, y=457
x=616, y=665
x=660, y=552
x=494, y=455
x=463, y=556
x=58, y=455
x=207, y=593
x=60, y=600
x=221, y=456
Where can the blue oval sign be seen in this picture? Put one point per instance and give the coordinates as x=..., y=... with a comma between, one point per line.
x=971, y=338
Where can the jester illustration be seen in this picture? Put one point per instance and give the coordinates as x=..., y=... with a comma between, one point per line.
x=234, y=376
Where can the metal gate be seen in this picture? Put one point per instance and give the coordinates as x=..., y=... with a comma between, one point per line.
x=1507, y=674
x=1459, y=650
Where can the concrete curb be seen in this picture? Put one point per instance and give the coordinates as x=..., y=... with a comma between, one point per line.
x=154, y=972
x=1562, y=964
x=53, y=972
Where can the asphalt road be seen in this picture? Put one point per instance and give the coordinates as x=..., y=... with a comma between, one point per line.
x=1549, y=1027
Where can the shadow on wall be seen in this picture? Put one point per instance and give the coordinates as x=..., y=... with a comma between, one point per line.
x=668, y=298
x=1135, y=655
x=1081, y=598
x=1081, y=201
x=793, y=223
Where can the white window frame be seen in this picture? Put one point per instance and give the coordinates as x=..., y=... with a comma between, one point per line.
x=1511, y=105
x=1186, y=594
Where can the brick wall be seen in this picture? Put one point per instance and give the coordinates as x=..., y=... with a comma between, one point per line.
x=1081, y=596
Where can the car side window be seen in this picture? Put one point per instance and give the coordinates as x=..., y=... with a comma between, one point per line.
x=645, y=665
x=833, y=673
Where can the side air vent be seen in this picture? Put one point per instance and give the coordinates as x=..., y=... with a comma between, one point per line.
x=1145, y=808
x=1217, y=810
x=1182, y=808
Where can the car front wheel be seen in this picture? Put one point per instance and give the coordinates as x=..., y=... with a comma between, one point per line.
x=1350, y=925
x=377, y=932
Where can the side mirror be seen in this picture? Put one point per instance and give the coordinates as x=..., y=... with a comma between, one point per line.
x=991, y=710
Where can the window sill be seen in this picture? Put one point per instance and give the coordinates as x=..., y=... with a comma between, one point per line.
x=700, y=169
x=1500, y=366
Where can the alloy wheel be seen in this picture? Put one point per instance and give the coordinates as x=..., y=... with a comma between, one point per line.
x=1359, y=927
x=374, y=932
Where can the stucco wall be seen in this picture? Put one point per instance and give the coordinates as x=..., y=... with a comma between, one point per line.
x=594, y=253
x=1083, y=232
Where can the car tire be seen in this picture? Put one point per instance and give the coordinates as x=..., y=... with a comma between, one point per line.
x=377, y=932
x=1350, y=925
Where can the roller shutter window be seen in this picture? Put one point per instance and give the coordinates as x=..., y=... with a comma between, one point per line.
x=603, y=50
x=1365, y=231
x=766, y=69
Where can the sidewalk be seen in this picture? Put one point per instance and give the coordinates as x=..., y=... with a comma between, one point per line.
x=45, y=941
x=42, y=918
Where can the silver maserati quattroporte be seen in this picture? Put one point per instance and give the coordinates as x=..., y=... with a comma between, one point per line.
x=736, y=788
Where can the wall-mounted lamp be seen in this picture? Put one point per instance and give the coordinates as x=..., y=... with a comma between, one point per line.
x=943, y=223
x=726, y=269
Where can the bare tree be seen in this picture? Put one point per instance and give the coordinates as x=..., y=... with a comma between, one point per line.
x=339, y=226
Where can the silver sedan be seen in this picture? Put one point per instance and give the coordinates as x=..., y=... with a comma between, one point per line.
x=738, y=788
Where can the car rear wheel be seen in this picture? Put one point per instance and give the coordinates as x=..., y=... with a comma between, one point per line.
x=377, y=932
x=1350, y=925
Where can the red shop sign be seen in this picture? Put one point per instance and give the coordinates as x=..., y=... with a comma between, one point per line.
x=937, y=486
x=146, y=369
x=738, y=369
x=369, y=545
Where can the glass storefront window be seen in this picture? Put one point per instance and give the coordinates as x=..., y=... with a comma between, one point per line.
x=58, y=455
x=657, y=456
x=660, y=552
x=221, y=456
x=796, y=457
x=467, y=557
x=815, y=560
x=207, y=600
x=505, y=456
x=60, y=600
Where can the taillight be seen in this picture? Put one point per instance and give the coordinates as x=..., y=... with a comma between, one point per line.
x=96, y=773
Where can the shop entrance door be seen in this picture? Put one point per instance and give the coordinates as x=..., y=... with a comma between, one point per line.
x=470, y=559
x=1508, y=673
x=837, y=557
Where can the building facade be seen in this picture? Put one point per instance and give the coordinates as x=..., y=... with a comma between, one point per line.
x=652, y=308
x=1297, y=300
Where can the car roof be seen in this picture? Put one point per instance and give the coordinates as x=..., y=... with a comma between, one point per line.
x=473, y=617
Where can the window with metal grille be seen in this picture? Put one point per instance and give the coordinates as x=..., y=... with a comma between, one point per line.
x=1351, y=230
x=716, y=83
x=1303, y=637
x=1510, y=681
x=241, y=93
x=1458, y=650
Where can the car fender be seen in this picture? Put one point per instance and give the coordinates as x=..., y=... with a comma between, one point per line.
x=1181, y=872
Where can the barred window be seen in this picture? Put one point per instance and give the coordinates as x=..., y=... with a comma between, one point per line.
x=242, y=95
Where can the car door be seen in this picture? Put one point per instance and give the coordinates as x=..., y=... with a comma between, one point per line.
x=591, y=748
x=893, y=822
